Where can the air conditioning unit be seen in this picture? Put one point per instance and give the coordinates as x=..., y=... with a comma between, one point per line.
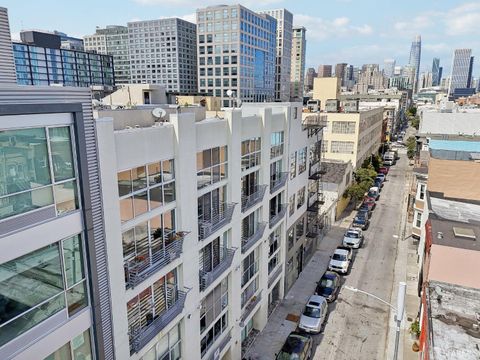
x=332, y=105
x=350, y=106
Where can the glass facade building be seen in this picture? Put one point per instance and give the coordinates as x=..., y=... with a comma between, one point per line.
x=237, y=52
x=36, y=65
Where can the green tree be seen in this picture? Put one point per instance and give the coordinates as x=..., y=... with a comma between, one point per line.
x=411, y=147
x=356, y=192
x=377, y=162
x=367, y=174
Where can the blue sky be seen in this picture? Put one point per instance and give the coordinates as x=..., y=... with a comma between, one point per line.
x=351, y=31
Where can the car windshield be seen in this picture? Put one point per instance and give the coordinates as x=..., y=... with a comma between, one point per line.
x=359, y=219
x=352, y=234
x=372, y=193
x=326, y=283
x=339, y=257
x=312, y=312
x=292, y=347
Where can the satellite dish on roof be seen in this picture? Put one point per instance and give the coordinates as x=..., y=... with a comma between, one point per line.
x=229, y=93
x=159, y=113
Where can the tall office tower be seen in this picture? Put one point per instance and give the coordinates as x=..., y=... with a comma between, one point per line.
x=426, y=80
x=284, y=52
x=324, y=70
x=414, y=60
x=299, y=47
x=462, y=66
x=340, y=71
x=113, y=40
x=69, y=42
x=371, y=78
x=236, y=51
x=163, y=52
x=436, y=76
x=309, y=76
x=7, y=63
x=40, y=60
x=389, y=67
x=440, y=74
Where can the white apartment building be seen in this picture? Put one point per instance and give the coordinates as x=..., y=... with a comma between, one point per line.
x=196, y=219
x=284, y=52
x=299, y=48
x=112, y=40
x=163, y=52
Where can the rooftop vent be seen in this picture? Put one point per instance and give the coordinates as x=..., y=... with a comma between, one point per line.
x=464, y=233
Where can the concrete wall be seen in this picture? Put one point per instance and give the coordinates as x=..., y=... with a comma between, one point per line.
x=133, y=94
x=326, y=88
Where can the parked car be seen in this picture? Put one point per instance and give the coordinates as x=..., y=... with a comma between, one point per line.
x=388, y=158
x=328, y=286
x=381, y=176
x=361, y=222
x=383, y=170
x=371, y=203
x=353, y=238
x=314, y=314
x=378, y=183
x=365, y=211
x=296, y=347
x=374, y=193
x=341, y=260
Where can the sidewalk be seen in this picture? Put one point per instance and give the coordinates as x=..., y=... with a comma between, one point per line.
x=271, y=339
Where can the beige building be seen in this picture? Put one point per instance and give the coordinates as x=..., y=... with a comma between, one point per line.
x=137, y=94
x=353, y=136
x=326, y=88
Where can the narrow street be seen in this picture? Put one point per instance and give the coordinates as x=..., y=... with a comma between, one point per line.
x=357, y=326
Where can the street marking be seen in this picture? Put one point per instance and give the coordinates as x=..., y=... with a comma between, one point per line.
x=395, y=236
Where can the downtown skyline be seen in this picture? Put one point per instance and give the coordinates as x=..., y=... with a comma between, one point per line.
x=347, y=34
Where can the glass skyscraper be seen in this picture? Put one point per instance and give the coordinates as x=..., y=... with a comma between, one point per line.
x=462, y=66
x=415, y=55
x=436, y=75
x=236, y=51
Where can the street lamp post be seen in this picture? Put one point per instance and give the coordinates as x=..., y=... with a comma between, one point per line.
x=399, y=309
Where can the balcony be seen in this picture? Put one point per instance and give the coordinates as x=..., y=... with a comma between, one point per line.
x=314, y=121
x=140, y=336
x=275, y=218
x=219, y=219
x=254, y=198
x=315, y=173
x=254, y=300
x=223, y=344
x=141, y=267
x=208, y=277
x=249, y=241
x=312, y=231
x=274, y=276
x=278, y=181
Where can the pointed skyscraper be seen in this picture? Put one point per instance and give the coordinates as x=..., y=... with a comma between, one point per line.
x=415, y=54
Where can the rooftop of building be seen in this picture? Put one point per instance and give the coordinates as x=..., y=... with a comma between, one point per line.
x=450, y=123
x=454, y=313
x=334, y=171
x=468, y=146
x=454, y=179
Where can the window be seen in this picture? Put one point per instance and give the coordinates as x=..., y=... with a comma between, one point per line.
x=40, y=284
x=37, y=169
x=324, y=146
x=251, y=151
x=249, y=267
x=291, y=238
x=276, y=144
x=211, y=166
x=342, y=147
x=145, y=188
x=274, y=241
x=302, y=160
x=293, y=165
x=168, y=348
x=300, y=197
x=299, y=228
x=79, y=348
x=211, y=204
x=248, y=293
x=343, y=127
x=421, y=193
x=314, y=153
x=291, y=205
x=418, y=222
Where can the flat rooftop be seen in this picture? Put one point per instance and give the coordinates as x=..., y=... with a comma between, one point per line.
x=454, y=123
x=454, y=311
x=469, y=146
x=334, y=171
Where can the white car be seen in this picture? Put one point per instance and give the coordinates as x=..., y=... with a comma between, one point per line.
x=340, y=261
x=314, y=314
x=353, y=238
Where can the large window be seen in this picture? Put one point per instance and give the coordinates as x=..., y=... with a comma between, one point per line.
x=314, y=153
x=145, y=188
x=212, y=254
x=302, y=160
x=293, y=165
x=211, y=166
x=291, y=205
x=251, y=150
x=211, y=204
x=276, y=144
x=342, y=147
x=79, y=348
x=38, y=285
x=37, y=169
x=249, y=267
x=168, y=348
x=343, y=127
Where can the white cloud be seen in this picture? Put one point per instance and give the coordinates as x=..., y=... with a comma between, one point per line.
x=321, y=29
x=190, y=17
x=463, y=19
x=437, y=48
x=196, y=4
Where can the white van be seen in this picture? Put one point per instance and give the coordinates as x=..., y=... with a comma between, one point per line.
x=389, y=158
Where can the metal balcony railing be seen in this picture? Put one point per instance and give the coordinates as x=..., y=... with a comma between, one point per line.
x=254, y=300
x=277, y=181
x=215, y=355
x=314, y=121
x=312, y=231
x=316, y=173
x=140, y=336
x=219, y=218
x=141, y=267
x=208, y=277
x=274, y=276
x=249, y=241
x=255, y=197
x=275, y=218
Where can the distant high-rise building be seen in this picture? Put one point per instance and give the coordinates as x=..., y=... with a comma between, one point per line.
x=7, y=64
x=237, y=53
x=112, y=40
x=370, y=78
x=340, y=71
x=440, y=74
x=389, y=67
x=284, y=52
x=426, y=80
x=415, y=56
x=462, y=66
x=309, y=76
x=324, y=70
x=163, y=51
x=436, y=76
x=299, y=46
x=397, y=70
x=348, y=80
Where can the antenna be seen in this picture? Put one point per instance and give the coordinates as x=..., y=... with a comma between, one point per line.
x=159, y=113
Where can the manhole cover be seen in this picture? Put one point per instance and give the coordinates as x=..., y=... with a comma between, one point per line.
x=293, y=318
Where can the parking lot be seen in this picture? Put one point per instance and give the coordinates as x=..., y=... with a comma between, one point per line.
x=357, y=325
